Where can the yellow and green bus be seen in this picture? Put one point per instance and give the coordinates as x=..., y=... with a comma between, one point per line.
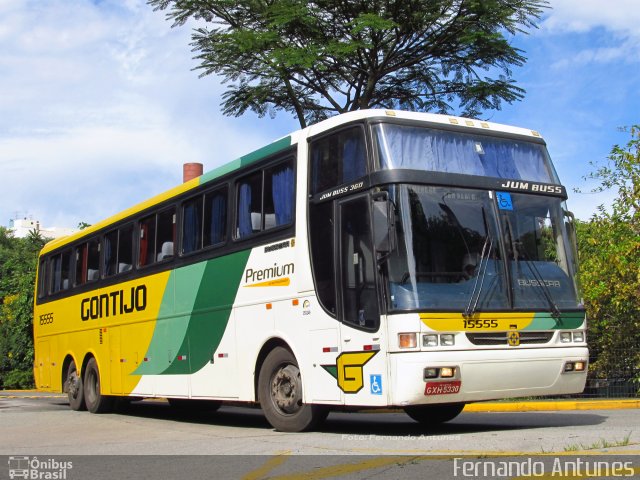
x=375, y=259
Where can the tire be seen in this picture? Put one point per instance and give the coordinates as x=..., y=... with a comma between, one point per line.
x=434, y=414
x=280, y=394
x=74, y=388
x=194, y=405
x=96, y=402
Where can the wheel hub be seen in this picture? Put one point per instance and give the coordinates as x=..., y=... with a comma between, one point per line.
x=286, y=389
x=73, y=384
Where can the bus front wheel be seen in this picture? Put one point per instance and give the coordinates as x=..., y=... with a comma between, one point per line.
x=280, y=394
x=96, y=402
x=434, y=414
x=75, y=388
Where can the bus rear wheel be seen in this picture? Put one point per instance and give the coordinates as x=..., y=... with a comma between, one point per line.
x=434, y=414
x=280, y=394
x=75, y=388
x=96, y=402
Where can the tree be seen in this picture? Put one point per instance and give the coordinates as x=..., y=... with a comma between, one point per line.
x=609, y=246
x=316, y=59
x=18, y=259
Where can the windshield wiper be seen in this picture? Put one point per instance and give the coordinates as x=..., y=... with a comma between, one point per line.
x=485, y=253
x=480, y=277
x=516, y=251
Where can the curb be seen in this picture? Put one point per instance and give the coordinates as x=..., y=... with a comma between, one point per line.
x=551, y=405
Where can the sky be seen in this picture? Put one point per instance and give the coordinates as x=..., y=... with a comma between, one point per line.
x=100, y=106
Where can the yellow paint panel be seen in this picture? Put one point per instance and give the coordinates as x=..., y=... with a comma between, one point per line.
x=480, y=322
x=114, y=312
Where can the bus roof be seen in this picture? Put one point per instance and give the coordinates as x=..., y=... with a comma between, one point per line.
x=288, y=141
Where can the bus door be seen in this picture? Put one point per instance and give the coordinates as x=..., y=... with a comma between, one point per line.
x=361, y=364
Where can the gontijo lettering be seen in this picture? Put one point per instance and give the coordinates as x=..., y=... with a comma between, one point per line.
x=114, y=303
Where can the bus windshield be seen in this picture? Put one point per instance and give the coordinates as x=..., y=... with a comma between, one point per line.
x=461, y=249
x=421, y=148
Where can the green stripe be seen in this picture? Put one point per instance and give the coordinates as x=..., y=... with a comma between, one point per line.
x=544, y=321
x=248, y=159
x=203, y=299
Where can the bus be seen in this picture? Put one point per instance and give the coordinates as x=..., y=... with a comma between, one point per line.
x=378, y=258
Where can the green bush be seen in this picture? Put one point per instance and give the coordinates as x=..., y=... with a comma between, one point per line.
x=17, y=379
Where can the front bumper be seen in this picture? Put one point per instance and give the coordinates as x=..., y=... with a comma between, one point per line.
x=488, y=374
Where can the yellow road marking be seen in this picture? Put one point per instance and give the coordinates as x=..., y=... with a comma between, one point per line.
x=269, y=465
x=346, y=468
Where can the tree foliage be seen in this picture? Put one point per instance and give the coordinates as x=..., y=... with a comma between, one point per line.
x=316, y=59
x=18, y=259
x=609, y=246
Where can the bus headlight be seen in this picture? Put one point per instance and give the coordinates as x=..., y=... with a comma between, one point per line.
x=578, y=337
x=447, y=340
x=565, y=337
x=447, y=372
x=429, y=340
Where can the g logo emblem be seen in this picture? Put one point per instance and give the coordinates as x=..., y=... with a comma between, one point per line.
x=513, y=339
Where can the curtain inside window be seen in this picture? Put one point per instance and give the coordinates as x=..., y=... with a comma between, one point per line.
x=191, y=228
x=283, y=195
x=244, y=211
x=442, y=151
x=219, y=216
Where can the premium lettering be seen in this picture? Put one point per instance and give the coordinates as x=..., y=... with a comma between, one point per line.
x=276, y=271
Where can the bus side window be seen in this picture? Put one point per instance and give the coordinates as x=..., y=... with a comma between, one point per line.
x=261, y=208
x=147, y=241
x=125, y=248
x=55, y=275
x=250, y=205
x=65, y=272
x=42, y=278
x=93, y=260
x=338, y=158
x=166, y=234
x=81, y=264
x=278, y=196
x=215, y=217
x=110, y=253
x=192, y=225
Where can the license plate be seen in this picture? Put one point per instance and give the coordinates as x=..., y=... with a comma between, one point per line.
x=442, y=388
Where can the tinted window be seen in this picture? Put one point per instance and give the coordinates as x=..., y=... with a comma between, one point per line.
x=192, y=225
x=215, y=217
x=166, y=235
x=338, y=159
x=93, y=260
x=264, y=208
x=147, y=241
x=322, y=240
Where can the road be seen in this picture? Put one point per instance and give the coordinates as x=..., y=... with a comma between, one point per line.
x=40, y=425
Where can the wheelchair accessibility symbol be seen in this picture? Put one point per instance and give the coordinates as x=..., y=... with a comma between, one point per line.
x=375, y=382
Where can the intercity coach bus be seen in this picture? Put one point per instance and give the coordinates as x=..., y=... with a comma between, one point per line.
x=375, y=259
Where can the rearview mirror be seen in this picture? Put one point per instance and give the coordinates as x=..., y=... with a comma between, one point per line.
x=384, y=224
